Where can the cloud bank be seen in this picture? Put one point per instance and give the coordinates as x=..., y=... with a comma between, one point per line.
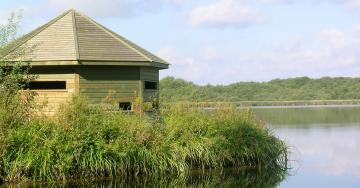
x=225, y=13
x=113, y=8
x=330, y=52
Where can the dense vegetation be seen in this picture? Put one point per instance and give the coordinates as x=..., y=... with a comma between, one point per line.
x=303, y=88
x=86, y=141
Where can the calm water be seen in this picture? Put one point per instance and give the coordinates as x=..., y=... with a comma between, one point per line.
x=325, y=146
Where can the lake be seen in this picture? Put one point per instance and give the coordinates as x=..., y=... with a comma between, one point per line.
x=325, y=152
x=324, y=143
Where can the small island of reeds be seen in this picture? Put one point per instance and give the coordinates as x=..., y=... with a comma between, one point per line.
x=84, y=141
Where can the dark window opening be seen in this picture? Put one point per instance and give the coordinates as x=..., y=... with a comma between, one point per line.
x=125, y=106
x=155, y=105
x=46, y=85
x=150, y=85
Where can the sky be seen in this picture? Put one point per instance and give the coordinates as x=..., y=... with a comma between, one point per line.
x=224, y=41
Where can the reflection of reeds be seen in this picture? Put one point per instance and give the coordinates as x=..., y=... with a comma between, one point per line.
x=226, y=178
x=86, y=141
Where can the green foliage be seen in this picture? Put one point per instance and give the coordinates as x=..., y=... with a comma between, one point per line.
x=8, y=32
x=86, y=141
x=15, y=105
x=302, y=88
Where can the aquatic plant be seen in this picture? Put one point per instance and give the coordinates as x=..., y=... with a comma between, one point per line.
x=87, y=141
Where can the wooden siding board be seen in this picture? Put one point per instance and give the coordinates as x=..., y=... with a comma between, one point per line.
x=116, y=83
x=54, y=98
x=104, y=88
x=55, y=69
x=149, y=74
x=108, y=73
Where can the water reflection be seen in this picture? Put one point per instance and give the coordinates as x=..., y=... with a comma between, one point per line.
x=227, y=178
x=309, y=117
x=325, y=145
x=334, y=151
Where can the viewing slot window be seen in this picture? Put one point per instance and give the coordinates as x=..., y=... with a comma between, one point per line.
x=126, y=106
x=151, y=85
x=47, y=85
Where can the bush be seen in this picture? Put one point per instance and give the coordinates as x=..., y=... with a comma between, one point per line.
x=86, y=141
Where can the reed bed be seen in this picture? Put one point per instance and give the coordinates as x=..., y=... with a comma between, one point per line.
x=84, y=141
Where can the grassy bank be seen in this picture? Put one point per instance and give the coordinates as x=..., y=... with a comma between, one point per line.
x=84, y=141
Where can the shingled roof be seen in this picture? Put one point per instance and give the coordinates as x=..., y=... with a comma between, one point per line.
x=75, y=37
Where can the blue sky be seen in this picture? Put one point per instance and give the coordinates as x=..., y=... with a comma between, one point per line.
x=225, y=41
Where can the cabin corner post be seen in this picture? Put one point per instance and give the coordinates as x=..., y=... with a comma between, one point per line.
x=77, y=84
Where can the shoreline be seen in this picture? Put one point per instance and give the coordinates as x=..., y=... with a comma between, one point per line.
x=305, y=106
x=271, y=104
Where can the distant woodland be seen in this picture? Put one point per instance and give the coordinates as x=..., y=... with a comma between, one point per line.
x=302, y=88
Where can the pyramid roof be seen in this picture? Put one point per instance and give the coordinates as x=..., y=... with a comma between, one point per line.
x=75, y=37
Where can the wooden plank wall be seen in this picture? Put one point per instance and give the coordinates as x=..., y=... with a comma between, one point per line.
x=109, y=84
x=101, y=84
x=54, y=98
x=149, y=74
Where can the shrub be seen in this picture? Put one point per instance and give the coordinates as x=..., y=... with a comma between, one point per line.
x=86, y=141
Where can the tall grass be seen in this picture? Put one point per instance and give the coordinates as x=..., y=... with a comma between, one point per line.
x=86, y=141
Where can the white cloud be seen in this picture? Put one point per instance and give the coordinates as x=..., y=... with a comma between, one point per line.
x=225, y=13
x=330, y=52
x=348, y=3
x=243, y=13
x=189, y=68
x=112, y=8
x=337, y=54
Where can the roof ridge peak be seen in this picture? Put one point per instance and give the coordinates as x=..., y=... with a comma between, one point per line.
x=77, y=51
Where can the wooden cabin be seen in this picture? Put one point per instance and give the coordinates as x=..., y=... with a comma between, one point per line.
x=73, y=54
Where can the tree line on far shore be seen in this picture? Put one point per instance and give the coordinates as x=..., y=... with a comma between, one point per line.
x=301, y=88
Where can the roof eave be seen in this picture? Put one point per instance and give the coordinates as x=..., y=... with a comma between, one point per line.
x=126, y=63
x=96, y=62
x=160, y=65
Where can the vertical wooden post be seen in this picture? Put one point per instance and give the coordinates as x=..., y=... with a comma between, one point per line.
x=77, y=84
x=141, y=96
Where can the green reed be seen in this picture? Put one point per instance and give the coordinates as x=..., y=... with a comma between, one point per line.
x=84, y=141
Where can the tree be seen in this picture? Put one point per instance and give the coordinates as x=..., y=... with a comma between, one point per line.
x=302, y=88
x=15, y=103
